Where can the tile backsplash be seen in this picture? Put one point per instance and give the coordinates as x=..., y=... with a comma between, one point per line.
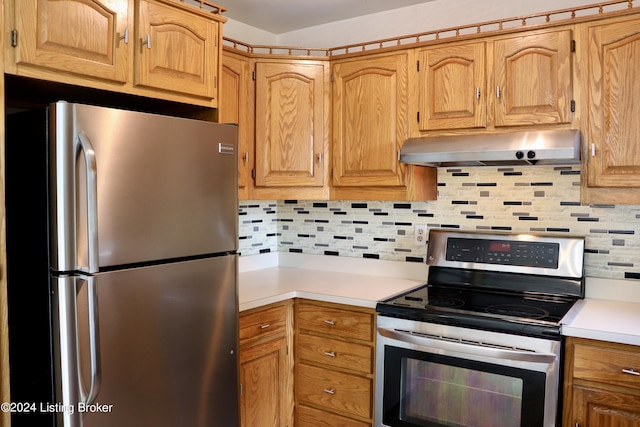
x=540, y=199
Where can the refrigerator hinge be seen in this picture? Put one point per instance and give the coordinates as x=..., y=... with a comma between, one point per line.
x=14, y=38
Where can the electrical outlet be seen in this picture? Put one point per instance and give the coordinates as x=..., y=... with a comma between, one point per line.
x=420, y=234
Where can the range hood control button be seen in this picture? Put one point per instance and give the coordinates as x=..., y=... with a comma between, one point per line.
x=531, y=155
x=519, y=155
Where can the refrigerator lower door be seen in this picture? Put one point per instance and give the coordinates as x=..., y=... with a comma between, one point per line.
x=166, y=348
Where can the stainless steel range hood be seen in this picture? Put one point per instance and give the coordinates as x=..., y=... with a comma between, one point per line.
x=515, y=148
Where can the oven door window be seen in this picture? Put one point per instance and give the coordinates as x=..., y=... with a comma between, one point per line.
x=429, y=390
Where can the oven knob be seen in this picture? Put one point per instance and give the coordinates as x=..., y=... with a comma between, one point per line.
x=519, y=155
x=531, y=155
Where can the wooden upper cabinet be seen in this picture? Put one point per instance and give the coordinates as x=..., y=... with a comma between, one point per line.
x=369, y=120
x=533, y=79
x=74, y=36
x=234, y=107
x=614, y=90
x=176, y=50
x=291, y=141
x=521, y=80
x=453, y=87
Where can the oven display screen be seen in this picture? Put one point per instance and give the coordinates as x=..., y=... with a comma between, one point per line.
x=500, y=246
x=505, y=252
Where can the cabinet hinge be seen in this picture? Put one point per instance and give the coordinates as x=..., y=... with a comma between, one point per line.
x=14, y=38
x=418, y=65
x=240, y=389
x=573, y=106
x=418, y=116
x=333, y=77
x=253, y=74
x=573, y=46
x=215, y=81
x=253, y=173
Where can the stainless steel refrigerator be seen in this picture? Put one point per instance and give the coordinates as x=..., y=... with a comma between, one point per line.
x=122, y=269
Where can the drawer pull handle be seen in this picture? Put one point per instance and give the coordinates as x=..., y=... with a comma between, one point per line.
x=330, y=353
x=264, y=326
x=631, y=372
x=329, y=391
x=329, y=322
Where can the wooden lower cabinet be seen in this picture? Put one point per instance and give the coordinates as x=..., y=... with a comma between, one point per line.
x=602, y=386
x=266, y=366
x=333, y=349
x=334, y=365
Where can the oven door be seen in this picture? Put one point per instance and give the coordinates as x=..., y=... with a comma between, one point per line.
x=443, y=376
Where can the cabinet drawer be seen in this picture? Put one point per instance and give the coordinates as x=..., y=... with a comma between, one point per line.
x=618, y=365
x=344, y=393
x=310, y=417
x=262, y=323
x=334, y=321
x=335, y=353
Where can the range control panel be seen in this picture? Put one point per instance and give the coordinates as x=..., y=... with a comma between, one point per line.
x=504, y=252
x=534, y=254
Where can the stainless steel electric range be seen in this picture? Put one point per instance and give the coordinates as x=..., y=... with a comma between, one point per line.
x=479, y=344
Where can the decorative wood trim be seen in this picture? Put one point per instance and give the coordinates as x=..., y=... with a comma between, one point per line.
x=482, y=29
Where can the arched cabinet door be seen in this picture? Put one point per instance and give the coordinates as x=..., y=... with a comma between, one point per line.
x=370, y=121
x=614, y=88
x=176, y=50
x=86, y=38
x=290, y=124
x=533, y=79
x=453, y=87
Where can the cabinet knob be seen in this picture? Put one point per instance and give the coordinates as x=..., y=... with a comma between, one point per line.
x=125, y=36
x=147, y=41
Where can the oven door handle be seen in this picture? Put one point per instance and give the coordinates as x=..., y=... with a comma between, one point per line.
x=468, y=347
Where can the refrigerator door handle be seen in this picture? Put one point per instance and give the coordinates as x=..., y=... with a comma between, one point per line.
x=83, y=144
x=94, y=344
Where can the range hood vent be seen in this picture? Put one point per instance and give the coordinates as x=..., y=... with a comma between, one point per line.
x=548, y=147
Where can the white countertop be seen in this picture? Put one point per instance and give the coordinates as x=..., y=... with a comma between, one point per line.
x=610, y=311
x=353, y=281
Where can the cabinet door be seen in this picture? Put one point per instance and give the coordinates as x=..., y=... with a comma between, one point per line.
x=80, y=37
x=601, y=408
x=176, y=50
x=290, y=135
x=453, y=88
x=234, y=107
x=369, y=121
x=614, y=89
x=262, y=373
x=533, y=79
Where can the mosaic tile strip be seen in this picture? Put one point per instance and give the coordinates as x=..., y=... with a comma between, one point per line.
x=541, y=199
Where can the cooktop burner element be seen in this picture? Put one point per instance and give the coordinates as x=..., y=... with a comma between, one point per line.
x=517, y=310
x=504, y=282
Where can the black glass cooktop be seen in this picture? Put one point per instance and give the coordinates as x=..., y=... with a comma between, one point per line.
x=500, y=311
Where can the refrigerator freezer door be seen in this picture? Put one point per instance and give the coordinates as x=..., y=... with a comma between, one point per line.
x=164, y=188
x=167, y=345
